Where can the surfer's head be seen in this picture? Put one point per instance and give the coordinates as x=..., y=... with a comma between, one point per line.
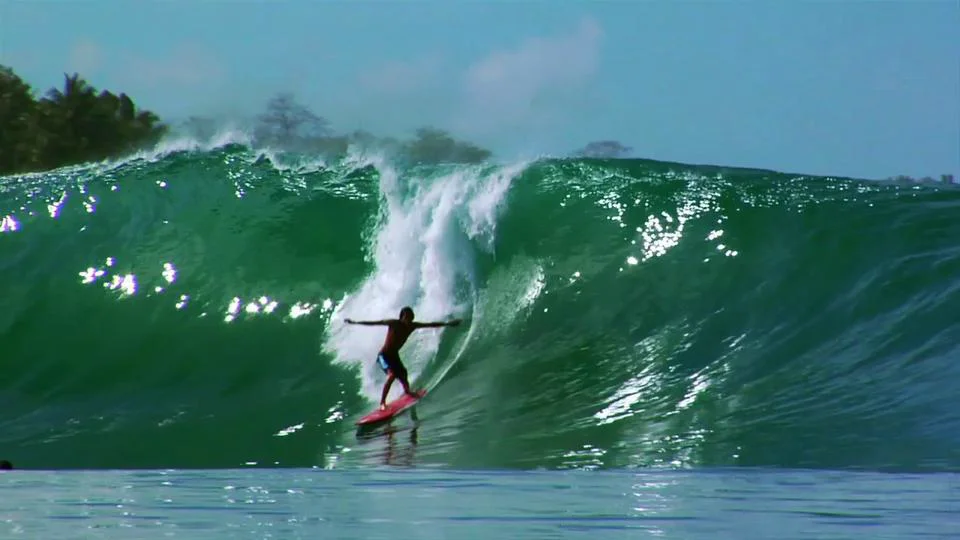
x=6, y=465
x=406, y=314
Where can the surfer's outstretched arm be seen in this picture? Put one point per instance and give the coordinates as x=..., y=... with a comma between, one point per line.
x=454, y=322
x=385, y=322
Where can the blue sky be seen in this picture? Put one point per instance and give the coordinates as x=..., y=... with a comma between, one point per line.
x=846, y=87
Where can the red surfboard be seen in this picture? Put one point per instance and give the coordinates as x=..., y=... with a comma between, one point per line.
x=394, y=408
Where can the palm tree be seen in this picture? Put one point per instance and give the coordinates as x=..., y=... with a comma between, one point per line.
x=70, y=124
x=17, y=123
x=66, y=116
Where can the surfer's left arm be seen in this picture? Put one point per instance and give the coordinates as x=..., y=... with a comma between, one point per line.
x=454, y=322
x=385, y=322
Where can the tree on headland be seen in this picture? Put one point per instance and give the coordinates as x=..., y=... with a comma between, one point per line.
x=287, y=122
x=68, y=125
x=604, y=149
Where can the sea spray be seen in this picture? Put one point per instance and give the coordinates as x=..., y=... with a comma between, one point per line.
x=423, y=255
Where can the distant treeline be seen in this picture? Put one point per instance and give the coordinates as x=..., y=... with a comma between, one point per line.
x=290, y=125
x=77, y=123
x=944, y=178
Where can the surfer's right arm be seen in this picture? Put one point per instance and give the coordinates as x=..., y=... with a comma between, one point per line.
x=385, y=322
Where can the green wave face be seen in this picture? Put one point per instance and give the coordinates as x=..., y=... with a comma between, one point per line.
x=185, y=309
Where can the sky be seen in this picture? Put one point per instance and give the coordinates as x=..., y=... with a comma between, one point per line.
x=861, y=88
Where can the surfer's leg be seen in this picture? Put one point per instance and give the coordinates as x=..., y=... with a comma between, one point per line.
x=402, y=375
x=386, y=389
x=398, y=370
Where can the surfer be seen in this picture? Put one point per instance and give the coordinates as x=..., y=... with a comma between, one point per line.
x=398, y=330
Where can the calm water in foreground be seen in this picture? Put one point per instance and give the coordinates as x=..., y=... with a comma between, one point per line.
x=317, y=503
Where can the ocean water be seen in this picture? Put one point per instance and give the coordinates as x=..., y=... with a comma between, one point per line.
x=183, y=310
x=440, y=504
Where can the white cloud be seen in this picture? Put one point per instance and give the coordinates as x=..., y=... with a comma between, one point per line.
x=511, y=88
x=85, y=58
x=398, y=78
x=186, y=65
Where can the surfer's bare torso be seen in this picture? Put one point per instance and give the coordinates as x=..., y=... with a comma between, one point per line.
x=397, y=334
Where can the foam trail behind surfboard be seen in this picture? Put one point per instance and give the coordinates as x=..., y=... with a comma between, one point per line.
x=437, y=377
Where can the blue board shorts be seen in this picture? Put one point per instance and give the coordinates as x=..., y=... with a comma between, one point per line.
x=388, y=362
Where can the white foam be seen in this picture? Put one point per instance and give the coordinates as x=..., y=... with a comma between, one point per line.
x=173, y=143
x=423, y=257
